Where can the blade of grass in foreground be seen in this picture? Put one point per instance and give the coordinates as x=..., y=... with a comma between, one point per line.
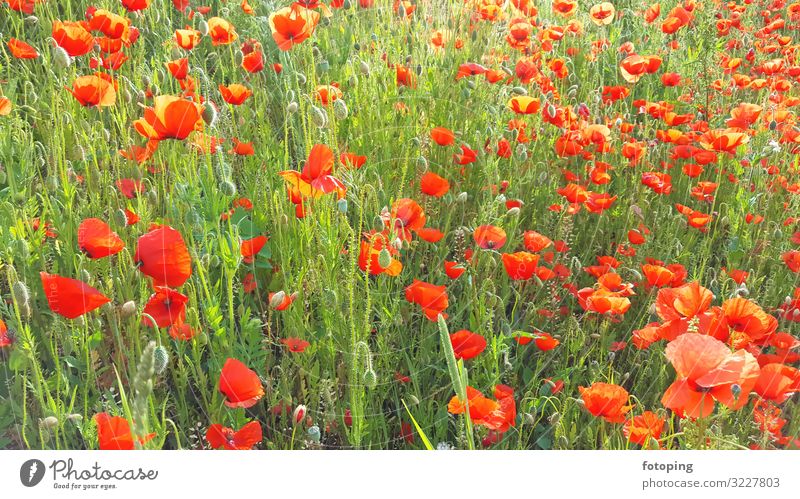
x=422, y=435
x=458, y=375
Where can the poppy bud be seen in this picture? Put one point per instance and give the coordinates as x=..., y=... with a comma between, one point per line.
x=203, y=28
x=75, y=418
x=31, y=20
x=341, y=205
x=238, y=57
x=227, y=188
x=595, y=336
x=160, y=359
x=554, y=418
x=551, y=111
x=462, y=197
x=377, y=223
x=384, y=258
x=397, y=244
x=292, y=107
x=209, y=114
x=323, y=66
x=519, y=91
x=471, y=84
x=301, y=78
x=513, y=212
x=277, y=299
x=340, y=111
x=61, y=58
x=299, y=414
x=49, y=422
x=52, y=183
x=500, y=199
x=352, y=81
x=214, y=261
x=370, y=378
x=319, y=117
x=364, y=67
x=412, y=400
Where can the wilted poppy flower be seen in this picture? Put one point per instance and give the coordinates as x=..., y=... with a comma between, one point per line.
x=240, y=385
x=292, y=25
x=170, y=117
x=489, y=237
x=222, y=437
x=295, y=345
x=640, y=429
x=114, y=433
x=162, y=255
x=235, y=94
x=466, y=344
x=97, y=240
x=70, y=298
x=432, y=298
x=166, y=307
x=606, y=400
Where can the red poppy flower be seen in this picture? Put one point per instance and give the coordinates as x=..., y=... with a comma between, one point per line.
x=295, y=345
x=466, y=344
x=93, y=91
x=162, y=255
x=640, y=429
x=443, y=136
x=97, y=240
x=434, y=185
x=235, y=94
x=222, y=437
x=114, y=433
x=240, y=385
x=73, y=37
x=316, y=177
x=221, y=31
x=69, y=297
x=292, y=25
x=170, y=117
x=249, y=248
x=489, y=237
x=166, y=307
x=5, y=338
x=432, y=298
x=707, y=371
x=606, y=400
x=21, y=50
x=520, y=266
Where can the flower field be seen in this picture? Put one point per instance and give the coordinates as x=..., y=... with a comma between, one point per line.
x=398, y=224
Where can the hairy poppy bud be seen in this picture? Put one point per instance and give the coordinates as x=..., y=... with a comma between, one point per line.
x=75, y=418
x=238, y=57
x=370, y=378
x=422, y=164
x=49, y=422
x=519, y=90
x=301, y=78
x=227, y=188
x=340, y=109
x=412, y=400
x=352, y=81
x=384, y=258
x=323, y=66
x=513, y=212
x=31, y=20
x=128, y=309
x=61, y=58
x=209, y=114
x=364, y=67
x=462, y=197
x=203, y=28
x=319, y=117
x=160, y=359
x=292, y=107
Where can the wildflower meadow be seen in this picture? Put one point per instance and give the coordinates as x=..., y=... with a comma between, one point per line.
x=399, y=224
